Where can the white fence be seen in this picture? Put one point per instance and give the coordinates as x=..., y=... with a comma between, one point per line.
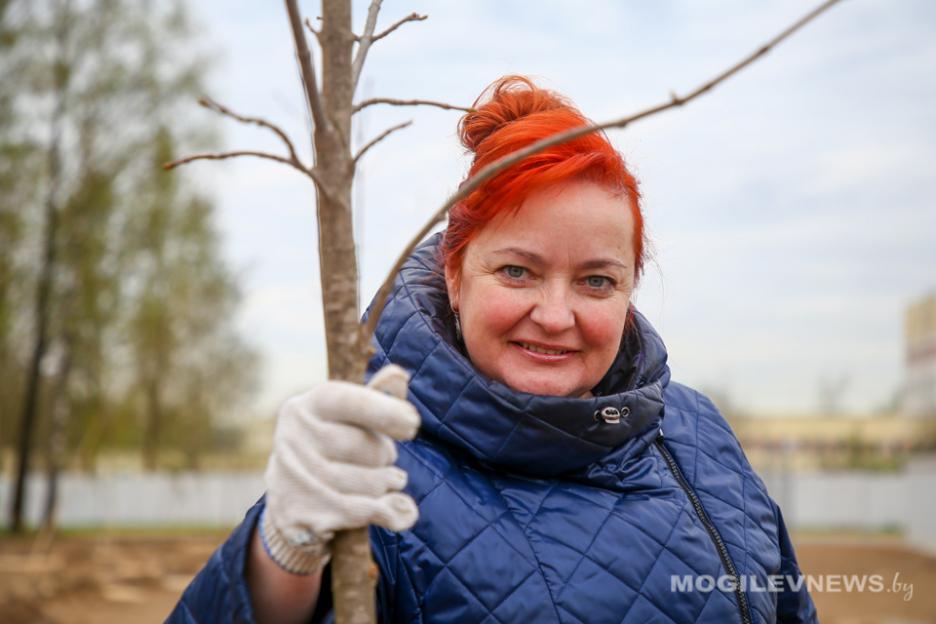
x=846, y=500
x=920, y=523
x=856, y=500
x=904, y=501
x=201, y=499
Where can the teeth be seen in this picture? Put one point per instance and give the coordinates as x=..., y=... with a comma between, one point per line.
x=536, y=349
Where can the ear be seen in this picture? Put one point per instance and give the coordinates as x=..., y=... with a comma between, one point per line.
x=452, y=285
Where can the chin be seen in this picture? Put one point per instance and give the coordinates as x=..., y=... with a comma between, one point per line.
x=544, y=387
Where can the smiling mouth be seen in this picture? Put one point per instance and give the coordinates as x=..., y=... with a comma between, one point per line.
x=542, y=350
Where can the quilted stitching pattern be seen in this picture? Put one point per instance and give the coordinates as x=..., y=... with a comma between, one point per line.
x=597, y=536
x=533, y=511
x=218, y=593
x=610, y=562
x=733, y=495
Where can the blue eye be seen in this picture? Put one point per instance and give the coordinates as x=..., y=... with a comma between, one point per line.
x=599, y=282
x=514, y=272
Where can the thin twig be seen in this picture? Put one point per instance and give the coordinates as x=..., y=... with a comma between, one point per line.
x=364, y=42
x=412, y=17
x=311, y=173
x=395, y=102
x=223, y=110
x=499, y=165
x=225, y=155
x=313, y=30
x=306, y=67
x=380, y=137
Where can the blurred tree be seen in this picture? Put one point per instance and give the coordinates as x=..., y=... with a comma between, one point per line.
x=17, y=166
x=60, y=77
x=98, y=84
x=189, y=363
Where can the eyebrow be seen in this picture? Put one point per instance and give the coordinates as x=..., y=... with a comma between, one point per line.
x=593, y=263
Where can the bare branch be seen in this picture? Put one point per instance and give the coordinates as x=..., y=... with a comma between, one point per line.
x=364, y=42
x=394, y=102
x=412, y=17
x=223, y=110
x=368, y=37
x=225, y=155
x=497, y=166
x=306, y=67
x=380, y=137
x=313, y=30
x=311, y=173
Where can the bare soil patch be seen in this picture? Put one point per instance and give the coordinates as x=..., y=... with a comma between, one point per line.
x=110, y=579
x=98, y=579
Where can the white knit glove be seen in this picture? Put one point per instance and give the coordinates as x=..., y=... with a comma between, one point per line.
x=331, y=467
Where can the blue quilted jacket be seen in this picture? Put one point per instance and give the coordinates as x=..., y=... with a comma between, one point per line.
x=635, y=506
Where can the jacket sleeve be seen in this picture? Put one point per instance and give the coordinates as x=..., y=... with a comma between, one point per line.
x=219, y=593
x=794, y=604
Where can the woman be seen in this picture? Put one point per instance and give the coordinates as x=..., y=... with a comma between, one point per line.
x=557, y=475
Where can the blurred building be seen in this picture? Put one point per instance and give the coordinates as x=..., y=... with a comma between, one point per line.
x=919, y=396
x=833, y=441
x=858, y=441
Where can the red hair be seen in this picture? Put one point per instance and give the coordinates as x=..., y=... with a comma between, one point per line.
x=509, y=115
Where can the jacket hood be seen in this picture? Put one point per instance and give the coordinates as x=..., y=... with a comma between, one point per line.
x=527, y=433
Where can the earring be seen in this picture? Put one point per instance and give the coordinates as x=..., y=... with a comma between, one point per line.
x=458, y=330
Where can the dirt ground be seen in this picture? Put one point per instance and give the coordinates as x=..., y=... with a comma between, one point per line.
x=110, y=579
x=100, y=579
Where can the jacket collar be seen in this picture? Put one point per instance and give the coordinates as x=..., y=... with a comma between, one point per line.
x=527, y=433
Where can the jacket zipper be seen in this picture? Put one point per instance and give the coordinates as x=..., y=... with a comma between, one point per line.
x=709, y=526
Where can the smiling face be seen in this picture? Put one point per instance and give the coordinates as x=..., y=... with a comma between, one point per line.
x=542, y=294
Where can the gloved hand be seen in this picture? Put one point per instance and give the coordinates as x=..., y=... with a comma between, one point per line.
x=331, y=467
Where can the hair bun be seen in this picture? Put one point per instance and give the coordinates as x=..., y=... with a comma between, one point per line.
x=511, y=114
x=505, y=100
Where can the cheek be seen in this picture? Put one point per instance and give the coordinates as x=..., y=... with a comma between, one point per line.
x=603, y=326
x=495, y=311
x=489, y=312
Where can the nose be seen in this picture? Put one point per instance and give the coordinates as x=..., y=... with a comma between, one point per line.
x=553, y=312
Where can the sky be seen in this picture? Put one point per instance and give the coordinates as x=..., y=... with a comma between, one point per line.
x=792, y=210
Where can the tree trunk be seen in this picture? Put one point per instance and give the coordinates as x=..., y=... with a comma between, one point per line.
x=152, y=431
x=46, y=282
x=354, y=572
x=56, y=443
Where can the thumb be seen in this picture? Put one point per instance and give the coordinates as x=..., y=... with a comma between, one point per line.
x=391, y=380
x=396, y=511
